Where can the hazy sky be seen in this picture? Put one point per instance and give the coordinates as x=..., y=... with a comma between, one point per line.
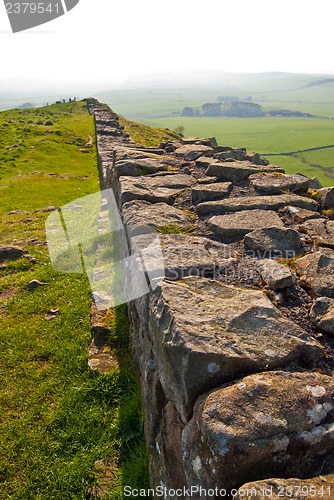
x=115, y=39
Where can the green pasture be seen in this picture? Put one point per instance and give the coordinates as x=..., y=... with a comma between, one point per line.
x=57, y=417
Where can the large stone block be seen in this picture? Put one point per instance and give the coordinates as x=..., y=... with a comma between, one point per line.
x=256, y=202
x=278, y=183
x=258, y=426
x=238, y=224
x=157, y=188
x=237, y=170
x=316, y=271
x=284, y=242
x=138, y=215
x=205, y=332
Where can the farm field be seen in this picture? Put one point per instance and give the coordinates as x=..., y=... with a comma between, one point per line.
x=162, y=103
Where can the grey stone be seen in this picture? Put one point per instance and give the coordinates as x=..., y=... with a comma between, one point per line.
x=10, y=252
x=208, y=192
x=240, y=223
x=159, y=188
x=322, y=314
x=278, y=183
x=301, y=214
x=207, y=180
x=138, y=215
x=182, y=255
x=327, y=197
x=237, y=154
x=259, y=425
x=276, y=275
x=211, y=141
x=274, y=240
x=192, y=152
x=321, y=231
x=315, y=183
x=205, y=332
x=316, y=271
x=254, y=202
x=237, y=170
x=134, y=167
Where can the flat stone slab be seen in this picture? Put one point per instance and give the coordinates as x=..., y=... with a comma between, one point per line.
x=237, y=170
x=262, y=423
x=159, y=188
x=209, y=192
x=138, y=167
x=138, y=215
x=182, y=255
x=277, y=183
x=191, y=152
x=285, y=242
x=321, y=231
x=316, y=271
x=322, y=314
x=238, y=224
x=205, y=332
x=256, y=202
x=275, y=274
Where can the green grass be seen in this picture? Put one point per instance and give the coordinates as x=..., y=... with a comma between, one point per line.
x=147, y=136
x=57, y=417
x=268, y=136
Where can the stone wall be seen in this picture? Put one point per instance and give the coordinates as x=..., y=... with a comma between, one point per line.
x=234, y=349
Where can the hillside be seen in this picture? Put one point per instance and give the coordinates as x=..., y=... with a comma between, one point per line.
x=58, y=418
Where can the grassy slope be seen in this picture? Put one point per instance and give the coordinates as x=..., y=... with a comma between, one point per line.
x=57, y=418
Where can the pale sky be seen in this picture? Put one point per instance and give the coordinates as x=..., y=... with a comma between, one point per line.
x=113, y=40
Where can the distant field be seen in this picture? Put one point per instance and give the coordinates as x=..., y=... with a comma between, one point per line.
x=160, y=106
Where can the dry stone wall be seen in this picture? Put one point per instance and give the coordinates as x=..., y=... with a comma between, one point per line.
x=234, y=348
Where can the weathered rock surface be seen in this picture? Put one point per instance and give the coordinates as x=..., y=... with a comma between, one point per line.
x=321, y=231
x=254, y=202
x=159, y=188
x=198, y=345
x=322, y=314
x=238, y=224
x=301, y=214
x=274, y=240
x=209, y=192
x=182, y=255
x=237, y=170
x=321, y=487
x=258, y=425
x=191, y=152
x=138, y=215
x=138, y=167
x=9, y=252
x=275, y=274
x=326, y=197
x=316, y=271
x=278, y=183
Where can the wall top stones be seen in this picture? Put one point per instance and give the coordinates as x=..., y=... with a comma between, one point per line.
x=235, y=347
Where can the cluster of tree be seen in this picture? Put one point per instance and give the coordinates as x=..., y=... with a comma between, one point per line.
x=243, y=109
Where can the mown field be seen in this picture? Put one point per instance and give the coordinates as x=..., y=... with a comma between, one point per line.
x=57, y=418
x=161, y=107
